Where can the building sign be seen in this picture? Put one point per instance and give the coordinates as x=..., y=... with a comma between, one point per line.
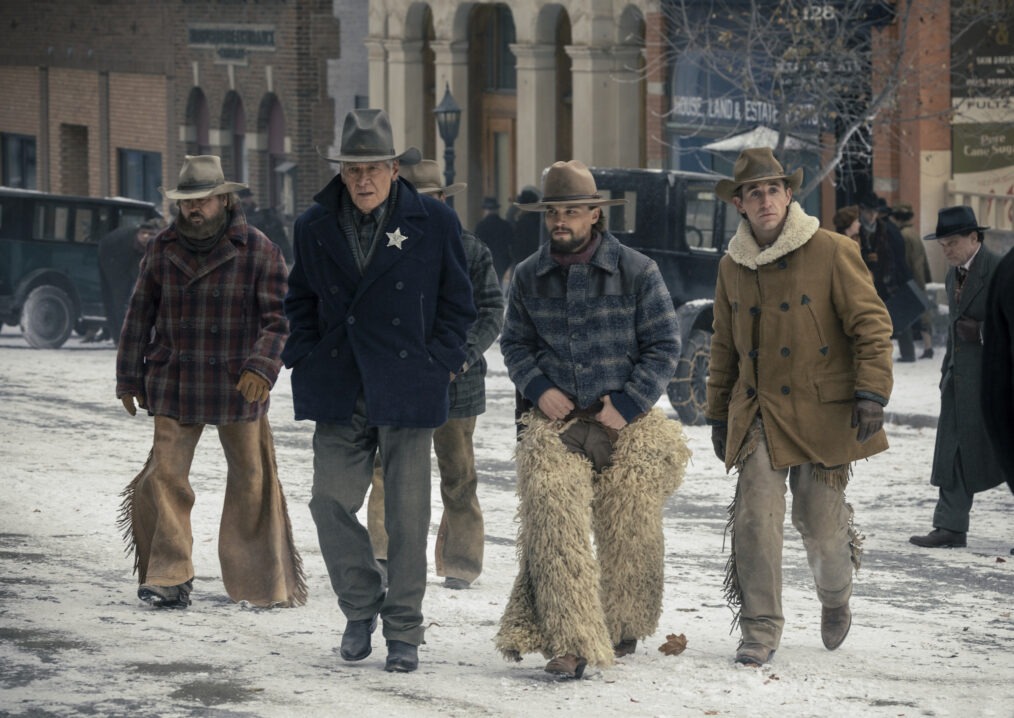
x=231, y=43
x=982, y=94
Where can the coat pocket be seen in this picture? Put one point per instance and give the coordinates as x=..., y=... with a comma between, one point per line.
x=157, y=353
x=836, y=387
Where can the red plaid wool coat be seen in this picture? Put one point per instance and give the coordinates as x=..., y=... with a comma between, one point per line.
x=193, y=327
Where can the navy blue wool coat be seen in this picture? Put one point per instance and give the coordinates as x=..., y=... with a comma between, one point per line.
x=396, y=332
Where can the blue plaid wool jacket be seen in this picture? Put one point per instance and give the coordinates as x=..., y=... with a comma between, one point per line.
x=605, y=327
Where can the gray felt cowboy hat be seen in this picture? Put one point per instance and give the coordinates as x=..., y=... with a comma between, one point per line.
x=200, y=177
x=426, y=177
x=757, y=164
x=568, y=184
x=367, y=137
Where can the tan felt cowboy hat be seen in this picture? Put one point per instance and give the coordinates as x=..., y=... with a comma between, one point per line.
x=757, y=164
x=367, y=137
x=426, y=178
x=201, y=177
x=568, y=184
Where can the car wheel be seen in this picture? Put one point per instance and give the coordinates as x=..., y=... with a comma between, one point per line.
x=47, y=317
x=688, y=390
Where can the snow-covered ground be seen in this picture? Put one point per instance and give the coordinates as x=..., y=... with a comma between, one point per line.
x=932, y=634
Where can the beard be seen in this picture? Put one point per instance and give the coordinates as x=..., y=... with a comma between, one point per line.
x=200, y=228
x=568, y=243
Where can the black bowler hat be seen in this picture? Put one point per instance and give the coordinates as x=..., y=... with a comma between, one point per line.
x=955, y=220
x=490, y=203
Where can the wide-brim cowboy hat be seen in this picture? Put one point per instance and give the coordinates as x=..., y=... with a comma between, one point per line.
x=568, y=184
x=200, y=177
x=426, y=177
x=756, y=164
x=367, y=137
x=955, y=220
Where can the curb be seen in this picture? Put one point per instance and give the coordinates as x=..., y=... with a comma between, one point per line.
x=919, y=421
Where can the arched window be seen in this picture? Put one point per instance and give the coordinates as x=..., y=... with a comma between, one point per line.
x=234, y=125
x=198, y=123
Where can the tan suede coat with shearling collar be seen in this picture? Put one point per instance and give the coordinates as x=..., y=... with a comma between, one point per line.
x=799, y=330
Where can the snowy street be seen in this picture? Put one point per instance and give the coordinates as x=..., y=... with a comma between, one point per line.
x=933, y=633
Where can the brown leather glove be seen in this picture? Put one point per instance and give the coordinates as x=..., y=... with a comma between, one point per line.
x=253, y=386
x=719, y=435
x=868, y=415
x=967, y=329
x=128, y=403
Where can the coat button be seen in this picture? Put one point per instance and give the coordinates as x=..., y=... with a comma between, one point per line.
x=211, y=360
x=334, y=353
x=184, y=357
x=754, y=311
x=783, y=264
x=786, y=390
x=752, y=354
x=735, y=306
x=334, y=289
x=214, y=329
x=399, y=285
x=785, y=351
x=184, y=325
x=750, y=393
x=214, y=293
x=403, y=353
x=784, y=306
x=351, y=320
x=396, y=321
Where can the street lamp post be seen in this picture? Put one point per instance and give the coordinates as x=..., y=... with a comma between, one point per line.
x=448, y=118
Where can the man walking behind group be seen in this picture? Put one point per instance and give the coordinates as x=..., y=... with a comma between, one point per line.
x=379, y=305
x=591, y=340
x=120, y=254
x=800, y=372
x=201, y=345
x=460, y=538
x=963, y=460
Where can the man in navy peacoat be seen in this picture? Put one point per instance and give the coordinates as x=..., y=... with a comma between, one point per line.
x=379, y=305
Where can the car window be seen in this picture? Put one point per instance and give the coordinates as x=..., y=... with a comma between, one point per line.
x=83, y=224
x=52, y=221
x=622, y=218
x=699, y=230
x=132, y=216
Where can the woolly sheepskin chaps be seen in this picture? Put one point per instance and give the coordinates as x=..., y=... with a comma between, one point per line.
x=567, y=599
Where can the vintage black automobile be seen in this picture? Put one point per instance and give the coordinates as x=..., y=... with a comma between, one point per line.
x=676, y=219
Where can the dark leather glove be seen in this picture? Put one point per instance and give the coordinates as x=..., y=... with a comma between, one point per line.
x=719, y=436
x=869, y=417
x=967, y=329
x=128, y=403
x=253, y=386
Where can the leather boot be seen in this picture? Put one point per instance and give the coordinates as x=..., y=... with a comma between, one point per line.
x=940, y=538
x=625, y=647
x=166, y=596
x=356, y=639
x=401, y=657
x=569, y=666
x=753, y=654
x=834, y=625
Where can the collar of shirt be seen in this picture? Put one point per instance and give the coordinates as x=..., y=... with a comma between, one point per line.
x=968, y=265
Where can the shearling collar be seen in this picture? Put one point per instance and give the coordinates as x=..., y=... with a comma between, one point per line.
x=799, y=227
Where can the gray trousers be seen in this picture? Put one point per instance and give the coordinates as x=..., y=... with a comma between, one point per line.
x=954, y=502
x=820, y=515
x=342, y=472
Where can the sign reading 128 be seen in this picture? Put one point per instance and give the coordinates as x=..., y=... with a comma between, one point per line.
x=819, y=13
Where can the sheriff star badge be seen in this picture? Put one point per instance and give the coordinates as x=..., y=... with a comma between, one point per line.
x=395, y=238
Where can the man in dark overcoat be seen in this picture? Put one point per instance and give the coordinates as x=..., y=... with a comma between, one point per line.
x=883, y=250
x=120, y=254
x=461, y=534
x=379, y=306
x=963, y=461
x=201, y=344
x=998, y=366
x=498, y=235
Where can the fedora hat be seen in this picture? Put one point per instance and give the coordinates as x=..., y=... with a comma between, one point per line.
x=490, y=203
x=201, y=176
x=568, y=183
x=367, y=137
x=756, y=164
x=426, y=177
x=955, y=220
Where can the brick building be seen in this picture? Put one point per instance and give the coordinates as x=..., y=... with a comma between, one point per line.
x=105, y=98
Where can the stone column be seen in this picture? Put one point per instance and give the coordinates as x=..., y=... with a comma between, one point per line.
x=595, y=111
x=377, y=72
x=626, y=82
x=451, y=65
x=536, y=121
x=405, y=91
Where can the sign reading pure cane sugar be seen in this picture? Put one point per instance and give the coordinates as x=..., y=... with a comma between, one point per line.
x=231, y=43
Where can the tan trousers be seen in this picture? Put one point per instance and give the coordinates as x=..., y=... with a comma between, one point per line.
x=823, y=519
x=259, y=560
x=460, y=538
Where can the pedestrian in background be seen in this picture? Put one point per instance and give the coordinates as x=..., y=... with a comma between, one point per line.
x=800, y=372
x=379, y=305
x=846, y=221
x=120, y=254
x=918, y=265
x=883, y=252
x=963, y=460
x=201, y=344
x=461, y=535
x=498, y=235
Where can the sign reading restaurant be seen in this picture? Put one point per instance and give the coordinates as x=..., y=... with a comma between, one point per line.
x=231, y=43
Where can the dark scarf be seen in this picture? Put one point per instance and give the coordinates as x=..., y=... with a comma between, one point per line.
x=202, y=245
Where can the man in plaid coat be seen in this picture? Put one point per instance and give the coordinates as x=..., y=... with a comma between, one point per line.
x=201, y=344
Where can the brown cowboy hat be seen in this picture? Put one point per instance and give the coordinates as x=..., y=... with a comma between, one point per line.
x=757, y=164
x=367, y=137
x=426, y=178
x=567, y=184
x=200, y=177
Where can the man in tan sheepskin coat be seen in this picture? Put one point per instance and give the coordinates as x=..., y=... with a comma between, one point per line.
x=800, y=373
x=590, y=340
